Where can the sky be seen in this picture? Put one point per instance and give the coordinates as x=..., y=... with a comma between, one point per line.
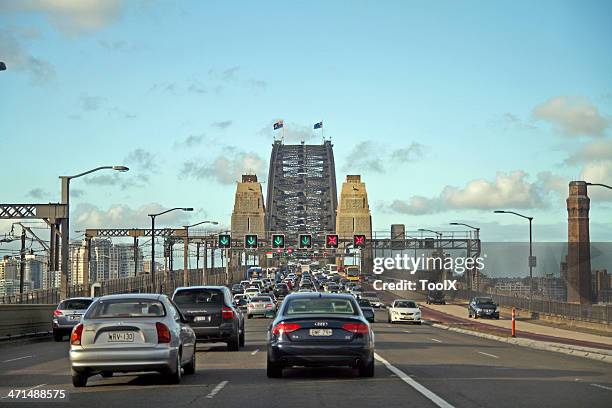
x=448, y=110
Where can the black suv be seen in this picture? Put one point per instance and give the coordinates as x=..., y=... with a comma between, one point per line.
x=281, y=290
x=483, y=307
x=212, y=314
x=435, y=297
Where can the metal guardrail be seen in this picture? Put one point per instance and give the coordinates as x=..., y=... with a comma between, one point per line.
x=25, y=320
x=134, y=284
x=590, y=313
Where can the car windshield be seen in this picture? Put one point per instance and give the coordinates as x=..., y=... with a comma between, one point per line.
x=197, y=297
x=370, y=294
x=484, y=301
x=406, y=304
x=75, y=304
x=320, y=306
x=126, y=308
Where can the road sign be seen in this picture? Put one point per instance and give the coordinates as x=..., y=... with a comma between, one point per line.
x=225, y=241
x=305, y=241
x=278, y=240
x=532, y=261
x=250, y=241
x=359, y=241
x=331, y=241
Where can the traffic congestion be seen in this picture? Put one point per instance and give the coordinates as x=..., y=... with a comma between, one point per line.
x=319, y=317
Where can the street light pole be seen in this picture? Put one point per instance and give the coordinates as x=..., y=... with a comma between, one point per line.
x=531, y=263
x=474, y=271
x=65, y=223
x=186, y=249
x=153, y=282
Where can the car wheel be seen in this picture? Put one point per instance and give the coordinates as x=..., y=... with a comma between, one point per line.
x=475, y=315
x=58, y=336
x=274, y=370
x=419, y=322
x=79, y=380
x=367, y=370
x=191, y=367
x=106, y=374
x=249, y=316
x=234, y=343
x=174, y=377
x=469, y=314
x=241, y=339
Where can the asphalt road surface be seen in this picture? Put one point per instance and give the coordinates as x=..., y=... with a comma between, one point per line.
x=417, y=366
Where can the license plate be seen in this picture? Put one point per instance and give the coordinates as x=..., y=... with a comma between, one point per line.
x=320, y=332
x=201, y=319
x=74, y=317
x=121, y=337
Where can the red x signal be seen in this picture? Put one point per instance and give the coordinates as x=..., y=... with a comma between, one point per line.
x=331, y=241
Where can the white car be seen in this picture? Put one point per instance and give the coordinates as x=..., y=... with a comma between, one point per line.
x=252, y=291
x=402, y=310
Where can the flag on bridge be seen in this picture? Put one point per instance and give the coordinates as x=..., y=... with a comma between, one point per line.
x=318, y=125
x=278, y=125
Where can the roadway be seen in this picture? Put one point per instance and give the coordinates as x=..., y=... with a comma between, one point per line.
x=448, y=367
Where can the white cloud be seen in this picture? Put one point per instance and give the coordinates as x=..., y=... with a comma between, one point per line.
x=572, y=116
x=598, y=172
x=226, y=168
x=508, y=190
x=122, y=216
x=594, y=151
x=72, y=17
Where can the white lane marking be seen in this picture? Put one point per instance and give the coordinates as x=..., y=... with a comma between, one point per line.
x=437, y=341
x=15, y=359
x=254, y=352
x=487, y=354
x=408, y=380
x=407, y=331
x=602, y=386
x=216, y=390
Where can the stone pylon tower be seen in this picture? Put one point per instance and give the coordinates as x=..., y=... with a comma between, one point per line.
x=248, y=217
x=353, y=216
x=578, y=244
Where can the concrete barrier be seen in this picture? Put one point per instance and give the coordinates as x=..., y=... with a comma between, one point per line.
x=24, y=320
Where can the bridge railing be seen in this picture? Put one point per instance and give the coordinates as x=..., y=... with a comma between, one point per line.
x=591, y=313
x=133, y=284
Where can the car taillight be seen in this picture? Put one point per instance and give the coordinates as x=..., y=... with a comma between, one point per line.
x=358, y=328
x=57, y=313
x=163, y=333
x=227, y=313
x=285, y=328
x=77, y=333
x=269, y=305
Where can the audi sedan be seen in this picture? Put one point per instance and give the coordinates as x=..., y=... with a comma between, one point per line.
x=132, y=333
x=317, y=329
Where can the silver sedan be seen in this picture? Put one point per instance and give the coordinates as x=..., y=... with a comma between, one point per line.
x=132, y=333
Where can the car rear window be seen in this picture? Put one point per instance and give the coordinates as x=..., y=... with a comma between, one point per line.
x=75, y=304
x=406, y=304
x=320, y=306
x=198, y=297
x=261, y=299
x=126, y=308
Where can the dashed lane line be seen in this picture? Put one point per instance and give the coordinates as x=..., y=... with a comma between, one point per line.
x=216, y=390
x=414, y=384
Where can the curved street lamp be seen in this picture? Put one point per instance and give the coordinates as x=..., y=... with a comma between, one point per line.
x=65, y=223
x=153, y=238
x=186, y=250
x=531, y=260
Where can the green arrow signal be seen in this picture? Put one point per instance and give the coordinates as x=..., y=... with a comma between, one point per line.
x=224, y=241
x=305, y=240
x=251, y=240
x=278, y=240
